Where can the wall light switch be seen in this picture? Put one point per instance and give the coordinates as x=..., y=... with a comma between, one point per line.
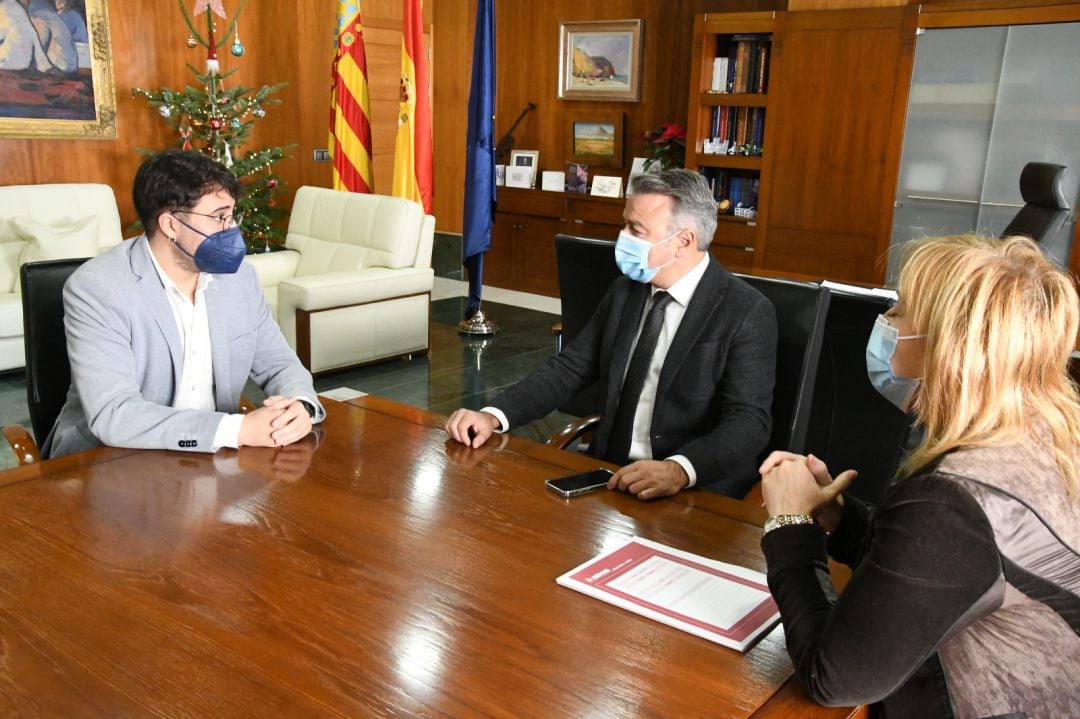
x=322, y=156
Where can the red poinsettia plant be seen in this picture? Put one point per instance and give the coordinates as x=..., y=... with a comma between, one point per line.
x=667, y=143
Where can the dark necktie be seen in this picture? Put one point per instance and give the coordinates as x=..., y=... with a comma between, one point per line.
x=623, y=425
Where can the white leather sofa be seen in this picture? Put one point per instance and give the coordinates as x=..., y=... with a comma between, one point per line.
x=354, y=285
x=47, y=222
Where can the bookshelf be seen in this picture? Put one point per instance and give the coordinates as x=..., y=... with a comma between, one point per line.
x=726, y=128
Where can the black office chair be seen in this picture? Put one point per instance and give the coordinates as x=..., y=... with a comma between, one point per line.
x=48, y=373
x=801, y=310
x=851, y=425
x=586, y=270
x=1045, y=209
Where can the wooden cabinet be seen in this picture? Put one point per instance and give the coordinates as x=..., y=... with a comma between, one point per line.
x=522, y=255
x=842, y=79
x=837, y=83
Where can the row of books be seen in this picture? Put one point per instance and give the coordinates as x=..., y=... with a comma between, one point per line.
x=744, y=67
x=735, y=192
x=736, y=130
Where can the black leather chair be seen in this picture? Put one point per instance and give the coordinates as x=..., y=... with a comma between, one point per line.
x=852, y=426
x=801, y=310
x=1045, y=208
x=586, y=270
x=48, y=373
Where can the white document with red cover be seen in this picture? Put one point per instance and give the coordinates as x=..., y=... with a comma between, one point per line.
x=720, y=602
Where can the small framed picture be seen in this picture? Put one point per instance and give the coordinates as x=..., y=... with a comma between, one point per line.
x=525, y=158
x=577, y=178
x=595, y=139
x=600, y=60
x=553, y=181
x=603, y=186
x=519, y=176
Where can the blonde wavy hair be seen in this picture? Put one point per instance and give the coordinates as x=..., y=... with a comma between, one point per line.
x=1000, y=322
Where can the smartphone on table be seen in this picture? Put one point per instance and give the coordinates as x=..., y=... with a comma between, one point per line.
x=576, y=484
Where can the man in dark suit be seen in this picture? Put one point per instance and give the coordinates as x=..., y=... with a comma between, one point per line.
x=684, y=353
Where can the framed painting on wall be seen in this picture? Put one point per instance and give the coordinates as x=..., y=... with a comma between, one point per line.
x=56, y=75
x=600, y=60
x=595, y=138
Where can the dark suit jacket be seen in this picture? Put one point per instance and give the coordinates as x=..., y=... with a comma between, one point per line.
x=714, y=396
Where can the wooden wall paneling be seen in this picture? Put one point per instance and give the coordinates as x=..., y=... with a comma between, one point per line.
x=306, y=66
x=799, y=5
x=773, y=113
x=905, y=65
x=270, y=58
x=1010, y=12
x=453, y=29
x=316, y=22
x=698, y=115
x=830, y=136
x=384, y=70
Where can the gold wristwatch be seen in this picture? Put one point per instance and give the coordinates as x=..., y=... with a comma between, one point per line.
x=783, y=520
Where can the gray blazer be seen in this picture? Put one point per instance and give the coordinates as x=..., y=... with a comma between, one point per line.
x=714, y=397
x=126, y=361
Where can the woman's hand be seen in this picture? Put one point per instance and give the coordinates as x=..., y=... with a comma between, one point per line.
x=794, y=484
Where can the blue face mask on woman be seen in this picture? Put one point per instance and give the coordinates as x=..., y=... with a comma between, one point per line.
x=220, y=253
x=632, y=256
x=879, y=353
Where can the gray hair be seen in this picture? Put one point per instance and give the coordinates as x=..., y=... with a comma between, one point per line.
x=691, y=200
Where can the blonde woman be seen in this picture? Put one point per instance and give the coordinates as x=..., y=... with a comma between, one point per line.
x=964, y=598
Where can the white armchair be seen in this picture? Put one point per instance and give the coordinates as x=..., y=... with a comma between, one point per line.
x=47, y=222
x=354, y=285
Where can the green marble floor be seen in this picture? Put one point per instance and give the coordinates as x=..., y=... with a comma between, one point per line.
x=457, y=372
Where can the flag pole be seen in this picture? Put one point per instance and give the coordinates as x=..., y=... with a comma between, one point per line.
x=480, y=169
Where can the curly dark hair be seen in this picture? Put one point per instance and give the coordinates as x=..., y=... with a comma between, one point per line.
x=177, y=180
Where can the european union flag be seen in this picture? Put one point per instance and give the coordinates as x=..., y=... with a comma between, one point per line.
x=480, y=154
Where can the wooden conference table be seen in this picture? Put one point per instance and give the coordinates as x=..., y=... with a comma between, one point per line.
x=389, y=571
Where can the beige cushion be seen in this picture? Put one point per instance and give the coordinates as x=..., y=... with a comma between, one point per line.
x=334, y=231
x=64, y=242
x=63, y=204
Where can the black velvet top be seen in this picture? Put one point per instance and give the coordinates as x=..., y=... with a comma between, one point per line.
x=927, y=570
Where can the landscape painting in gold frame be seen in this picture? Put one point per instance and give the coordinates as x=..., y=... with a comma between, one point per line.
x=63, y=87
x=600, y=60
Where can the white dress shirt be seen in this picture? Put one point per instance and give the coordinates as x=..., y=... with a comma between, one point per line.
x=196, y=388
x=641, y=437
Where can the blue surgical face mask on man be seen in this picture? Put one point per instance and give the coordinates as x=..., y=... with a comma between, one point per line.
x=632, y=256
x=220, y=253
x=879, y=353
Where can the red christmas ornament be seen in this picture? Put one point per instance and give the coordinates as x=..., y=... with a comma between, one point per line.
x=216, y=123
x=271, y=182
x=272, y=203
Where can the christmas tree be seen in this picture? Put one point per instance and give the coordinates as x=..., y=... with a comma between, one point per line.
x=217, y=120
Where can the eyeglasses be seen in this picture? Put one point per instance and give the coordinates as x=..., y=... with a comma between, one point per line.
x=224, y=219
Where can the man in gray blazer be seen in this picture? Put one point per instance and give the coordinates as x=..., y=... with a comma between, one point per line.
x=164, y=330
x=684, y=353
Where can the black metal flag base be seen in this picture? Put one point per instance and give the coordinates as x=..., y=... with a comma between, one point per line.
x=478, y=324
